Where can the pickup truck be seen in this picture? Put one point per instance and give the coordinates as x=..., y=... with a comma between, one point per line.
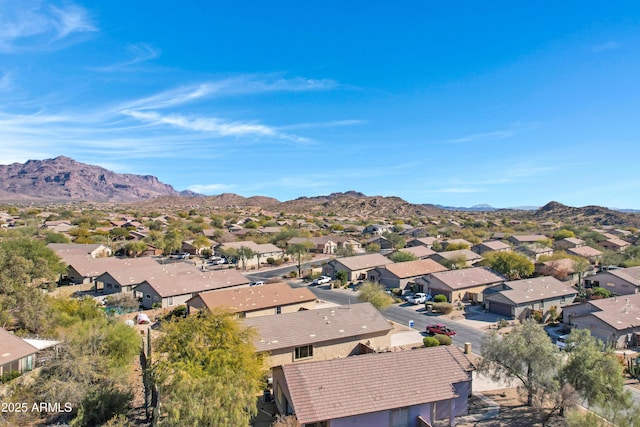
x=322, y=280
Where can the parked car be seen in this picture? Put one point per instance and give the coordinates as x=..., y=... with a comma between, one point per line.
x=258, y=283
x=322, y=280
x=419, y=298
x=440, y=329
x=406, y=296
x=561, y=341
x=217, y=260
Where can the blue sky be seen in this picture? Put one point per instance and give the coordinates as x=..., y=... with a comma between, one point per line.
x=456, y=103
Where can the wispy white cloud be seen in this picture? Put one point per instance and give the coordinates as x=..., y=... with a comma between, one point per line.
x=213, y=125
x=605, y=46
x=210, y=188
x=140, y=52
x=240, y=85
x=5, y=80
x=329, y=124
x=28, y=25
x=499, y=134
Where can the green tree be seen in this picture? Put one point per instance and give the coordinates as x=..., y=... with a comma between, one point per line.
x=595, y=374
x=375, y=294
x=345, y=251
x=207, y=371
x=373, y=248
x=133, y=249
x=298, y=251
x=563, y=233
x=400, y=256
x=172, y=241
x=513, y=358
x=243, y=254
x=456, y=262
x=510, y=264
x=342, y=276
x=397, y=240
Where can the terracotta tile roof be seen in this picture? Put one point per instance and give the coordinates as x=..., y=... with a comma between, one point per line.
x=314, y=326
x=362, y=262
x=13, y=348
x=255, y=298
x=181, y=279
x=374, y=382
x=530, y=290
x=414, y=268
x=467, y=277
x=88, y=266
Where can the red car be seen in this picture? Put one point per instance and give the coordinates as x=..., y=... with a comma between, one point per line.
x=440, y=329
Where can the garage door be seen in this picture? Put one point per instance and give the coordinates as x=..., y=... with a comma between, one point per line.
x=500, y=308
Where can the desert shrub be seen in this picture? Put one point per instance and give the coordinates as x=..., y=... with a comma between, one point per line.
x=440, y=298
x=396, y=291
x=9, y=376
x=430, y=342
x=293, y=274
x=536, y=315
x=443, y=307
x=443, y=339
x=271, y=261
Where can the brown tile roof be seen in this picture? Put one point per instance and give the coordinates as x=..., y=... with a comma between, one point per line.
x=374, y=382
x=13, y=348
x=584, y=251
x=618, y=312
x=452, y=255
x=181, y=279
x=418, y=251
x=315, y=326
x=467, y=277
x=362, y=262
x=529, y=290
x=616, y=242
x=414, y=268
x=573, y=240
x=495, y=245
x=133, y=271
x=73, y=249
x=255, y=298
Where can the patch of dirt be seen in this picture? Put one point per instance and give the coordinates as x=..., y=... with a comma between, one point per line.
x=513, y=412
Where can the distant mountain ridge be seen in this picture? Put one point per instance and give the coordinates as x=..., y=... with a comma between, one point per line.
x=63, y=178
x=586, y=215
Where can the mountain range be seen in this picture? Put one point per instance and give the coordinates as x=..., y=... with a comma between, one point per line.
x=63, y=179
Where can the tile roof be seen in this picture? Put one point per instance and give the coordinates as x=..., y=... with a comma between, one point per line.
x=256, y=297
x=618, y=312
x=584, y=251
x=495, y=245
x=13, y=348
x=529, y=290
x=467, y=277
x=362, y=262
x=414, y=268
x=418, y=251
x=573, y=240
x=453, y=255
x=313, y=326
x=427, y=241
x=616, y=242
x=181, y=279
x=370, y=383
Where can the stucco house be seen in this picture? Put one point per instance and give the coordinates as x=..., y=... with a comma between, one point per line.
x=15, y=354
x=356, y=267
x=569, y=242
x=470, y=258
x=321, y=245
x=534, y=251
x=408, y=388
x=491, y=246
x=400, y=274
x=423, y=241
x=518, y=298
x=321, y=334
x=262, y=251
x=122, y=275
x=268, y=299
x=524, y=239
x=591, y=254
x=420, y=252
x=614, y=244
x=619, y=281
x=613, y=320
x=466, y=284
x=174, y=286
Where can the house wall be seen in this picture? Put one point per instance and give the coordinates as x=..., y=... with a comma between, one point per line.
x=435, y=286
x=111, y=285
x=291, y=308
x=330, y=269
x=518, y=310
x=344, y=347
x=612, y=283
x=76, y=277
x=602, y=330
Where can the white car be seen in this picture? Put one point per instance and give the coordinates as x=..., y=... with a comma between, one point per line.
x=217, y=260
x=323, y=280
x=418, y=298
x=258, y=283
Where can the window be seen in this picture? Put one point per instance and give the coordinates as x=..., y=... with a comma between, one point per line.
x=303, y=352
x=278, y=310
x=242, y=315
x=170, y=301
x=563, y=299
x=399, y=417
